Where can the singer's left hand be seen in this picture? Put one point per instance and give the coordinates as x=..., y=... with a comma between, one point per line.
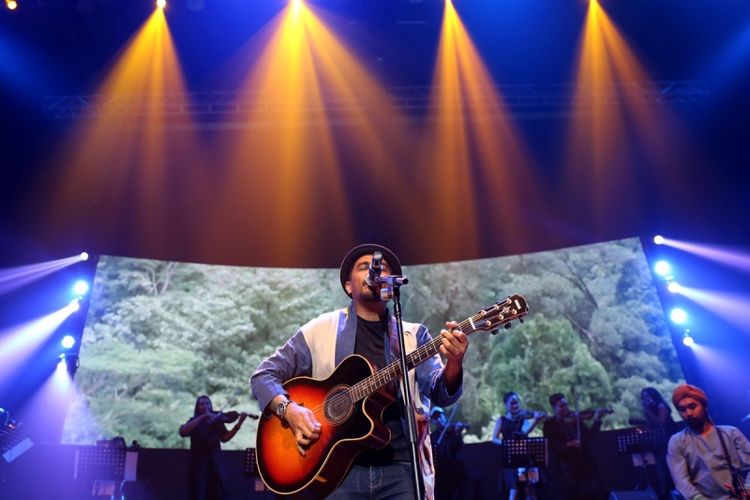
x=454, y=347
x=454, y=343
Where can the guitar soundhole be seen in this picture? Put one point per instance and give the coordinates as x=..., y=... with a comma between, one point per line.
x=338, y=404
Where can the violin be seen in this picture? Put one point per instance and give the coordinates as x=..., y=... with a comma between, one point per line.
x=589, y=413
x=530, y=415
x=227, y=417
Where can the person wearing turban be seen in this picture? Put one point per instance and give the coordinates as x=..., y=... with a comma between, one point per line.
x=706, y=460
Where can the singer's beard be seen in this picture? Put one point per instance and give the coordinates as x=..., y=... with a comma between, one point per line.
x=371, y=295
x=696, y=424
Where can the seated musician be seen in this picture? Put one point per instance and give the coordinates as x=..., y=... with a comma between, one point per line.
x=517, y=423
x=571, y=460
x=368, y=328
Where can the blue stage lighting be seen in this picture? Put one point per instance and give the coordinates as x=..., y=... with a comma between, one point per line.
x=687, y=339
x=81, y=287
x=673, y=287
x=68, y=341
x=662, y=268
x=678, y=316
x=658, y=239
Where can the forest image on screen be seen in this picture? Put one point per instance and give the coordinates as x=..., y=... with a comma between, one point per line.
x=159, y=334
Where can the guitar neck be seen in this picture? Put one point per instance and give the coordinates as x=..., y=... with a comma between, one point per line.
x=499, y=314
x=392, y=372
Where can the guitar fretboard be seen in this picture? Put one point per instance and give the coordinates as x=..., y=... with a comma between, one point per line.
x=479, y=321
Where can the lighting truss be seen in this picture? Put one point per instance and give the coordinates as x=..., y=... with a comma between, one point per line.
x=519, y=99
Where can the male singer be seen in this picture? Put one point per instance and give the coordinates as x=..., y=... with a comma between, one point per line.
x=367, y=328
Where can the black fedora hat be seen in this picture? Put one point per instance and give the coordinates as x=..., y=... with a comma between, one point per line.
x=366, y=249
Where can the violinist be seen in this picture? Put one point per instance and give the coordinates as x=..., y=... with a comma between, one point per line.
x=207, y=430
x=517, y=423
x=569, y=440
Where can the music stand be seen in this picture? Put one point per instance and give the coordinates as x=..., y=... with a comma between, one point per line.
x=640, y=440
x=250, y=470
x=250, y=465
x=526, y=452
x=99, y=462
x=13, y=442
x=640, y=443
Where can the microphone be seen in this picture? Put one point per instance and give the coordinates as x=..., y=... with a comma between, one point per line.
x=376, y=267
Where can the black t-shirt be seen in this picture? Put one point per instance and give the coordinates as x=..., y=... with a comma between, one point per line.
x=206, y=437
x=370, y=343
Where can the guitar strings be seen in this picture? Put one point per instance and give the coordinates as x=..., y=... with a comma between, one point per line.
x=367, y=383
x=433, y=345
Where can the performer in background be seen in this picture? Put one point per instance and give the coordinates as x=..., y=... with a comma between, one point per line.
x=571, y=458
x=706, y=460
x=447, y=442
x=366, y=328
x=658, y=416
x=517, y=423
x=207, y=430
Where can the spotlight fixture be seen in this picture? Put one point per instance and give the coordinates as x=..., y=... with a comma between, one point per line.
x=68, y=341
x=84, y=256
x=80, y=288
x=659, y=239
x=678, y=316
x=673, y=287
x=161, y=4
x=662, y=268
x=69, y=361
x=687, y=339
x=75, y=305
x=11, y=4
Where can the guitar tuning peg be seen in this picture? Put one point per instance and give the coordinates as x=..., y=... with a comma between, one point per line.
x=495, y=331
x=507, y=326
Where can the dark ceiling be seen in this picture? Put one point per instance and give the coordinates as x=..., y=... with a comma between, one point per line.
x=48, y=49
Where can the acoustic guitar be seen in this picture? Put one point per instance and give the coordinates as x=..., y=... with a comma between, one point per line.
x=349, y=405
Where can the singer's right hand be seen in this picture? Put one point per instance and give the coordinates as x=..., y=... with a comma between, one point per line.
x=304, y=426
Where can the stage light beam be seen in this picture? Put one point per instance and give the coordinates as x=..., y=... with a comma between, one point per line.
x=687, y=339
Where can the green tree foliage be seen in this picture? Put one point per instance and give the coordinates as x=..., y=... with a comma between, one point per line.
x=159, y=334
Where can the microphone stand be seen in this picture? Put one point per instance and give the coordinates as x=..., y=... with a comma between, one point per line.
x=392, y=290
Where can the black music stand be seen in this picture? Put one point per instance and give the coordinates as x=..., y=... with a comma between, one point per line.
x=99, y=462
x=526, y=452
x=640, y=440
x=640, y=443
x=250, y=465
x=13, y=442
x=250, y=470
x=108, y=465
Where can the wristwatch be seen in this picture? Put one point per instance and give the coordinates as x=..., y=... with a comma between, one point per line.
x=280, y=409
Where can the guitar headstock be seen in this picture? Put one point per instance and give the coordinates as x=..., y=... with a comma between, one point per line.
x=499, y=314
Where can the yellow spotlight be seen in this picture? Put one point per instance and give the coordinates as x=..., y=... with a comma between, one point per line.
x=161, y=3
x=11, y=4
